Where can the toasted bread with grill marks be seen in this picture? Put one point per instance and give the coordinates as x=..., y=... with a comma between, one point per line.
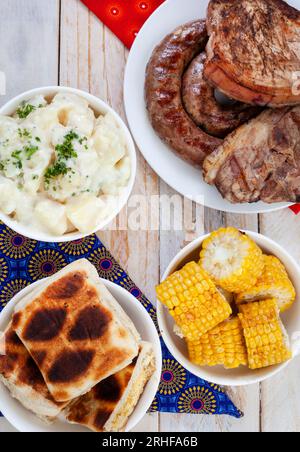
x=108, y=406
x=75, y=331
x=253, y=53
x=20, y=374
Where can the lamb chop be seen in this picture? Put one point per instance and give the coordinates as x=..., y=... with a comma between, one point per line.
x=254, y=51
x=260, y=161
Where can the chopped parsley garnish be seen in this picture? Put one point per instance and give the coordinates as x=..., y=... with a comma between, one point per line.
x=57, y=169
x=38, y=139
x=16, y=155
x=5, y=142
x=81, y=140
x=30, y=151
x=35, y=177
x=2, y=166
x=65, y=151
x=24, y=110
x=24, y=133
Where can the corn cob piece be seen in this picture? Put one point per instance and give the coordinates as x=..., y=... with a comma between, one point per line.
x=224, y=345
x=266, y=339
x=230, y=297
x=232, y=260
x=193, y=301
x=274, y=282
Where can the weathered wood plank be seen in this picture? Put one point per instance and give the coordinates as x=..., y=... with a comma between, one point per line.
x=93, y=59
x=280, y=395
x=29, y=44
x=28, y=54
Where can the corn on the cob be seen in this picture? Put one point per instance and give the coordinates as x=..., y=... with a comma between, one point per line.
x=266, y=339
x=232, y=260
x=193, y=300
x=274, y=282
x=223, y=345
x=230, y=297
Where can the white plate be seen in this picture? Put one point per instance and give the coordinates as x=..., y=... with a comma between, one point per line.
x=98, y=106
x=178, y=174
x=241, y=376
x=24, y=421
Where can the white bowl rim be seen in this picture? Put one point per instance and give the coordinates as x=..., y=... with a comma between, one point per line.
x=26, y=231
x=138, y=414
x=161, y=311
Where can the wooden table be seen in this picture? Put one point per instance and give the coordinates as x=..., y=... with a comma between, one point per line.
x=50, y=42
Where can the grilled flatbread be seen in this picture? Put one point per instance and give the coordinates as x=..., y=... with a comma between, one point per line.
x=75, y=331
x=20, y=374
x=108, y=406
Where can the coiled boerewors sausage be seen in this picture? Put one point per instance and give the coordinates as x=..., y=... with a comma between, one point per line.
x=163, y=93
x=201, y=104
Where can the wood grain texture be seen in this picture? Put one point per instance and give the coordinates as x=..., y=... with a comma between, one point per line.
x=29, y=37
x=40, y=47
x=29, y=44
x=280, y=395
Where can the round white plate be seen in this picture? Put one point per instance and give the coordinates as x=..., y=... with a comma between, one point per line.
x=178, y=174
x=24, y=421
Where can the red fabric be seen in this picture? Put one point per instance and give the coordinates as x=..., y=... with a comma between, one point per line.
x=125, y=18
x=296, y=208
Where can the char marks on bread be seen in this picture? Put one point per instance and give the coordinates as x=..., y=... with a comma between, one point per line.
x=75, y=331
x=20, y=374
x=108, y=406
x=254, y=51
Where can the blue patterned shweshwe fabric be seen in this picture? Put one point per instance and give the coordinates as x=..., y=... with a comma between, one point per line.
x=24, y=261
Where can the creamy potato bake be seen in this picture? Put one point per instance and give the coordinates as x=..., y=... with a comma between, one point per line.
x=62, y=169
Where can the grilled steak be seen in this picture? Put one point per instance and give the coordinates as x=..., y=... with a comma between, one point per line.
x=200, y=102
x=260, y=160
x=163, y=93
x=254, y=51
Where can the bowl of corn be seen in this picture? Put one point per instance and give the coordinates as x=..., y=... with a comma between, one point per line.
x=229, y=307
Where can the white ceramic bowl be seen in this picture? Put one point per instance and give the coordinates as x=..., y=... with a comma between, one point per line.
x=99, y=107
x=24, y=421
x=218, y=375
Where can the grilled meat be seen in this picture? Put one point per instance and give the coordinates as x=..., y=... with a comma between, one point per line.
x=254, y=51
x=200, y=102
x=260, y=161
x=163, y=93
